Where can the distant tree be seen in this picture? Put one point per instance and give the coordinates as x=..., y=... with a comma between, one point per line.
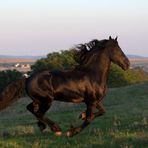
x=56, y=60
x=118, y=77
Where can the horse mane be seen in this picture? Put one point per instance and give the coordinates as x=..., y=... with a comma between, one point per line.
x=85, y=51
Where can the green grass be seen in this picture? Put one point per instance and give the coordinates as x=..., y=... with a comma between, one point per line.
x=125, y=124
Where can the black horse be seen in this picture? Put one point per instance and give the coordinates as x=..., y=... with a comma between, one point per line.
x=86, y=83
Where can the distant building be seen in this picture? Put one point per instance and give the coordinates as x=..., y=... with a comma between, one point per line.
x=17, y=65
x=25, y=66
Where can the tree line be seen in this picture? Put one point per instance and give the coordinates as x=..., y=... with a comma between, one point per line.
x=65, y=60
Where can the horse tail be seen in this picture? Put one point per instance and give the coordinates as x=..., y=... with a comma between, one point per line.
x=12, y=93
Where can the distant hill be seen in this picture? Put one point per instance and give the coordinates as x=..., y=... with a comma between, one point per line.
x=34, y=58
x=135, y=56
x=18, y=59
x=22, y=57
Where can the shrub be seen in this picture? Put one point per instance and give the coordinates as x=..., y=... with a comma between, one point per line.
x=118, y=77
x=63, y=60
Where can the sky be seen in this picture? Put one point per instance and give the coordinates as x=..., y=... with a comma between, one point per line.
x=38, y=27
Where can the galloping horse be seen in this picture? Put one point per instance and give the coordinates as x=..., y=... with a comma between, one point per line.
x=86, y=83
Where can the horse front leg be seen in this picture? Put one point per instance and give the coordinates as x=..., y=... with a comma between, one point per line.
x=101, y=109
x=98, y=106
x=75, y=130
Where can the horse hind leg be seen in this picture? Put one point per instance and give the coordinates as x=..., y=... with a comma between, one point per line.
x=33, y=108
x=54, y=127
x=43, y=120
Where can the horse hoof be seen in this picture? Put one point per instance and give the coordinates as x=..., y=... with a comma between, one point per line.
x=59, y=133
x=48, y=131
x=68, y=134
x=82, y=116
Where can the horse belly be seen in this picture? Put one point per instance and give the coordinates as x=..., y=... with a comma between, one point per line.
x=68, y=98
x=78, y=100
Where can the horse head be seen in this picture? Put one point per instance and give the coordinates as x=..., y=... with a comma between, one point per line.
x=88, y=52
x=116, y=54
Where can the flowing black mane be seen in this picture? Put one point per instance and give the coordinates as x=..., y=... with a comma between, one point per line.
x=85, y=51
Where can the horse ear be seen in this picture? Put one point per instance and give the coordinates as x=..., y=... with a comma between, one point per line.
x=116, y=38
x=110, y=37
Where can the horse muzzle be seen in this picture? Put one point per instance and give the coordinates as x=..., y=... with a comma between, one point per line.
x=126, y=64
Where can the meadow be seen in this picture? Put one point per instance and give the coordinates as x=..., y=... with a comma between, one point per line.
x=124, y=125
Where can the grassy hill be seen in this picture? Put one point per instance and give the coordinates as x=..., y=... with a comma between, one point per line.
x=125, y=124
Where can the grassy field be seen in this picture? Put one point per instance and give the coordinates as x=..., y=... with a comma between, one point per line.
x=125, y=124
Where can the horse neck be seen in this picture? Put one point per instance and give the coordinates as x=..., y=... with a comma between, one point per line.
x=98, y=68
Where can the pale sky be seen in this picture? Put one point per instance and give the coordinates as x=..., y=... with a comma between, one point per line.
x=37, y=27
